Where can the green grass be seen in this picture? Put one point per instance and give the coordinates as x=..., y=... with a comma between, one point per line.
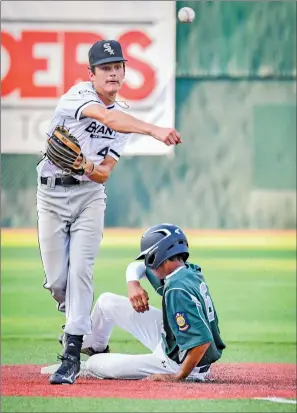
x=33, y=404
x=254, y=292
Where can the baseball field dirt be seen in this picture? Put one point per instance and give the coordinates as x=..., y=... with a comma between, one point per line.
x=227, y=381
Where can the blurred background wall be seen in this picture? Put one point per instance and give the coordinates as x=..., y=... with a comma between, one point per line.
x=235, y=106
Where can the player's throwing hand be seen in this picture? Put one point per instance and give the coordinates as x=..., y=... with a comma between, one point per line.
x=169, y=136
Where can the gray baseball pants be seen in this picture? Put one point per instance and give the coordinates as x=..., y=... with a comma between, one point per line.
x=70, y=228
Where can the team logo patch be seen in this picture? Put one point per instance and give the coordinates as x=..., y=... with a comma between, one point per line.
x=182, y=321
x=108, y=48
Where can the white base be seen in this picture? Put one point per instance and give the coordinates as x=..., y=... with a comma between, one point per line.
x=48, y=370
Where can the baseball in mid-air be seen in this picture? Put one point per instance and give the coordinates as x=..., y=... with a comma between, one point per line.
x=186, y=15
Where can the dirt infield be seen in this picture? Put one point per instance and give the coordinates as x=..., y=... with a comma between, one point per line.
x=227, y=381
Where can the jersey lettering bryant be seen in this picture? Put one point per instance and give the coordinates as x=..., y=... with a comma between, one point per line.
x=96, y=140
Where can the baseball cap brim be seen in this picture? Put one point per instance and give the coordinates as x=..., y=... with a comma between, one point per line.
x=109, y=60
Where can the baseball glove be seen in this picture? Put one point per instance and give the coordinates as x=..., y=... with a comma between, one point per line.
x=64, y=151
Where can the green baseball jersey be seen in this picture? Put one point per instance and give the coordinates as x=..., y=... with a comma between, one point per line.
x=189, y=315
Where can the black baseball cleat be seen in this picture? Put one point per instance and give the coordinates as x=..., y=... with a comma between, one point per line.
x=68, y=372
x=89, y=351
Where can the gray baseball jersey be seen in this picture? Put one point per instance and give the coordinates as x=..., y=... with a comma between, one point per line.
x=96, y=140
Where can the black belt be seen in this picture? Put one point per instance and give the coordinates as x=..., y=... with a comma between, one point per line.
x=63, y=181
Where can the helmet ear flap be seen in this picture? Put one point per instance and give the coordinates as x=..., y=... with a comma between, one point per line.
x=150, y=259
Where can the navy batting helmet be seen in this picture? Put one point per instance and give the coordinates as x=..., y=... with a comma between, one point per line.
x=161, y=242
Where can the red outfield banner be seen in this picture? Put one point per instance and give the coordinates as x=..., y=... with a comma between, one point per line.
x=22, y=73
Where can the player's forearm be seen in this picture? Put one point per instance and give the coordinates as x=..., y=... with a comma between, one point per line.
x=97, y=173
x=122, y=122
x=117, y=120
x=193, y=357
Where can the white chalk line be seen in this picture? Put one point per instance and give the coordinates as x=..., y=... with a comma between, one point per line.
x=276, y=400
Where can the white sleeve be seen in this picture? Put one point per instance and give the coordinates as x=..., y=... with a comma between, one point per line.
x=118, y=145
x=75, y=100
x=135, y=271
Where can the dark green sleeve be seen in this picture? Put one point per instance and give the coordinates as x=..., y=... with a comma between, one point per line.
x=186, y=319
x=155, y=282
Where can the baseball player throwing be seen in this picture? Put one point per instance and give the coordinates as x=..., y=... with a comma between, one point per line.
x=87, y=136
x=184, y=338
